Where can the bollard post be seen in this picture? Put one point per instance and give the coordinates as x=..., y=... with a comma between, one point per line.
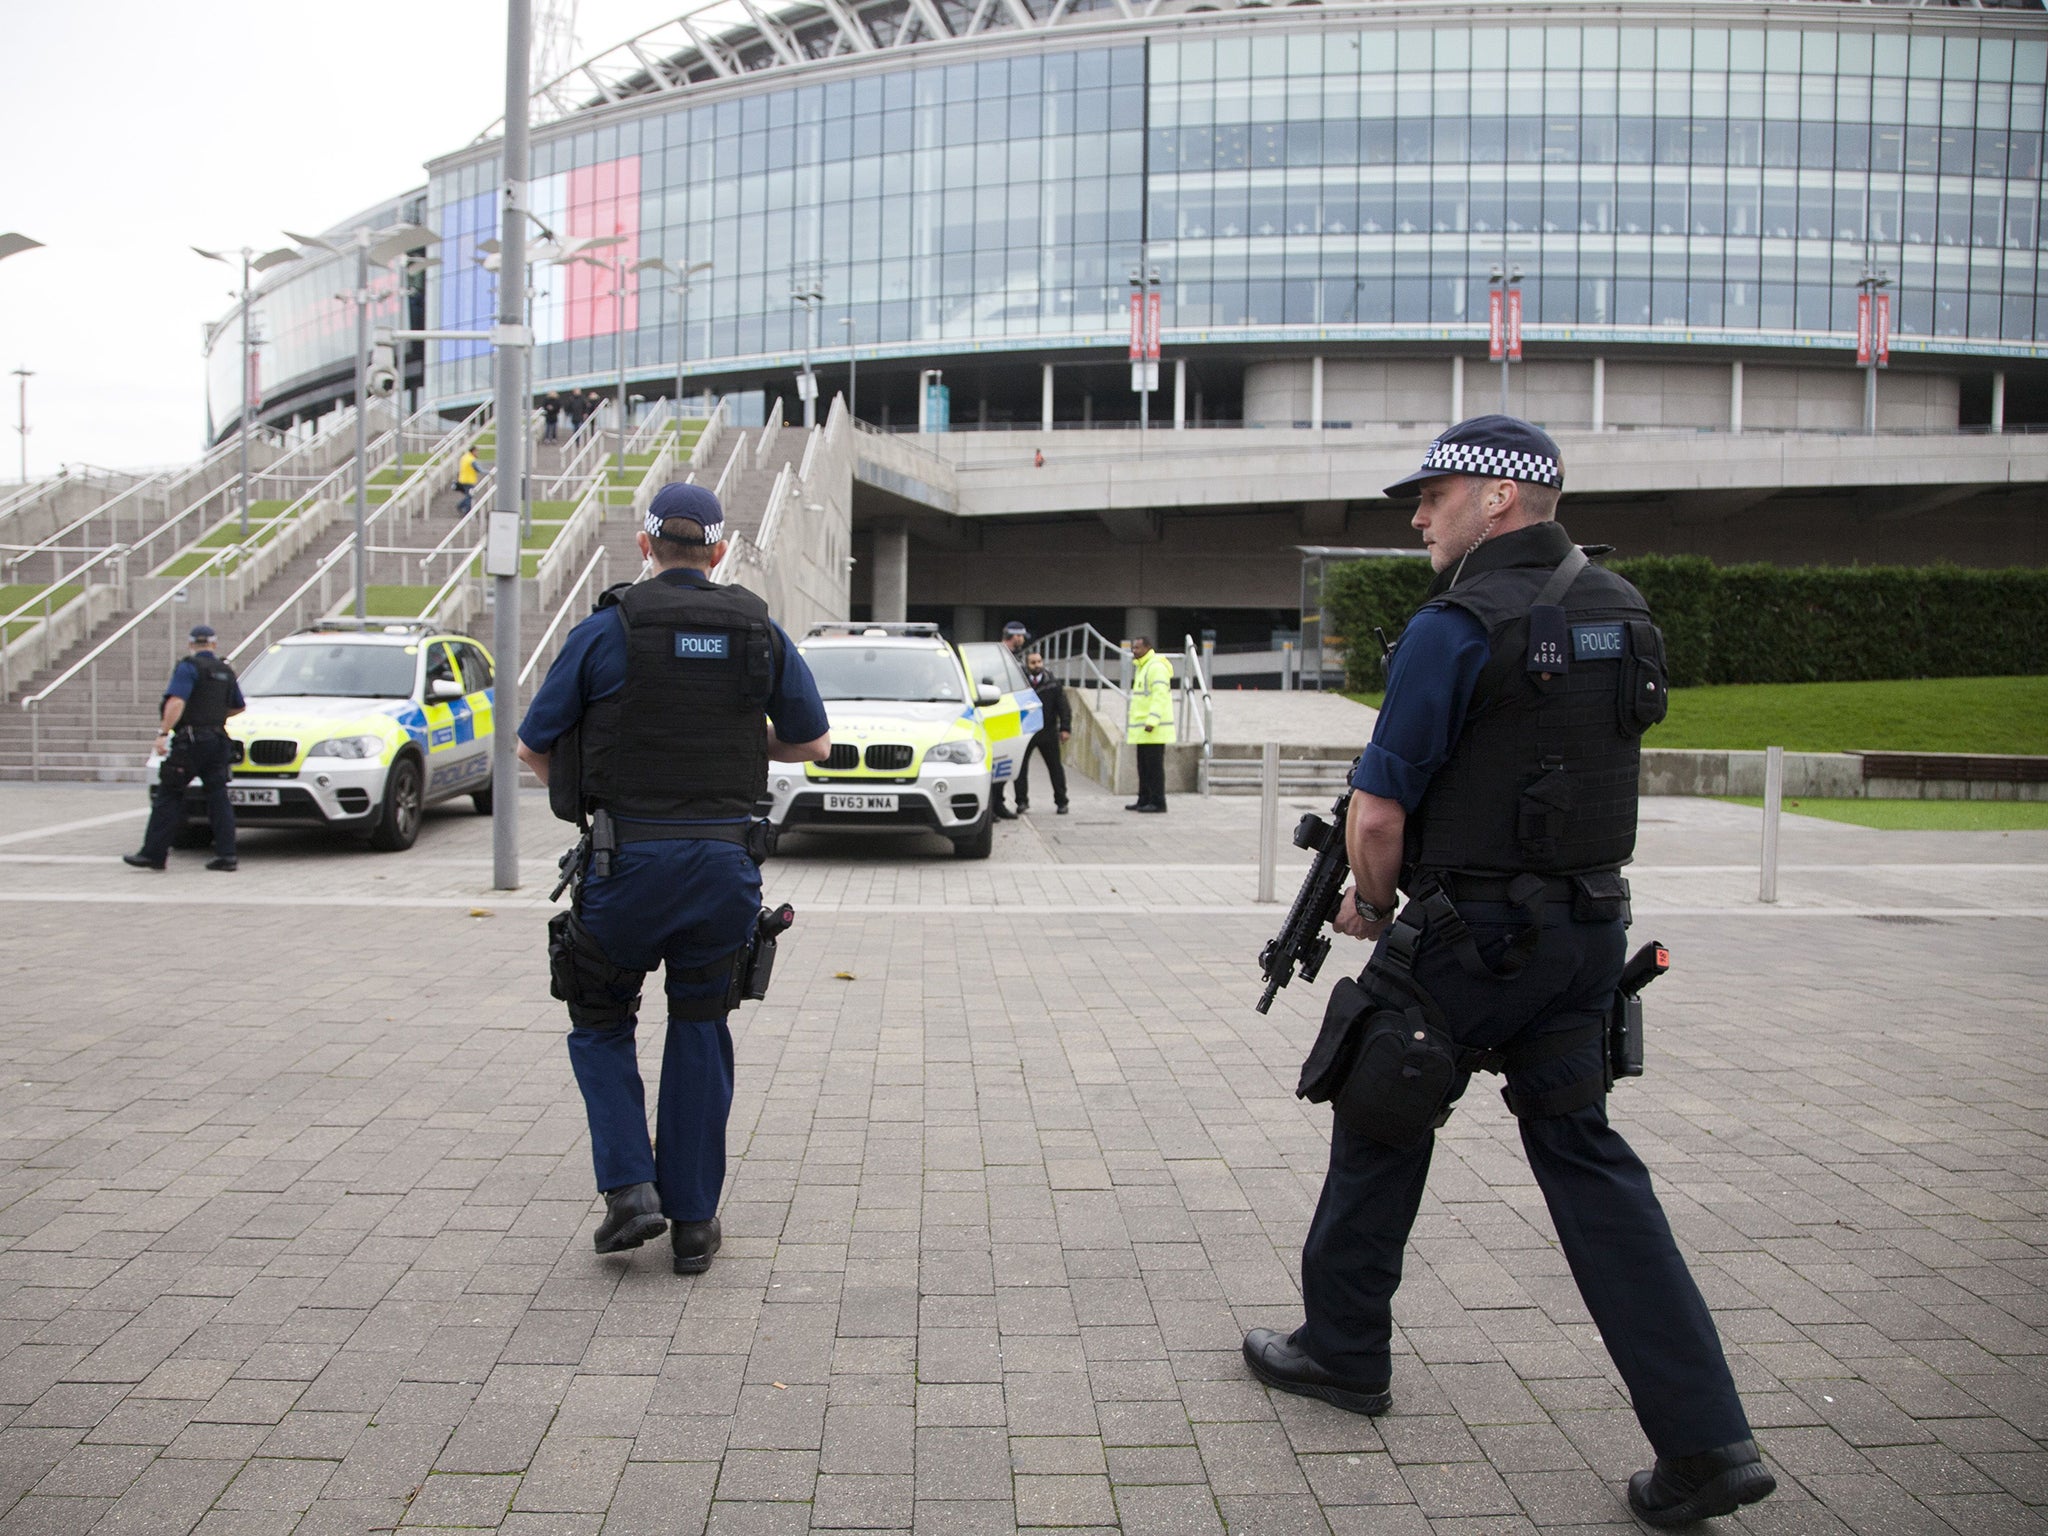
x=1286, y=666
x=1269, y=815
x=1774, y=799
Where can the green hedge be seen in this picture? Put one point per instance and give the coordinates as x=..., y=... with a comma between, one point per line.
x=1768, y=623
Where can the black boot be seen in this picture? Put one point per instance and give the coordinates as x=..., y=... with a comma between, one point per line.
x=1275, y=1361
x=694, y=1243
x=1682, y=1489
x=632, y=1215
x=141, y=861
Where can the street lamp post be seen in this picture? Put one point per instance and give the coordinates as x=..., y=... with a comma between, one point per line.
x=808, y=289
x=688, y=272
x=24, y=375
x=852, y=381
x=251, y=262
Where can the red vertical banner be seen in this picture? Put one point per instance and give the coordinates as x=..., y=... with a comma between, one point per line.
x=255, y=380
x=1883, y=342
x=1152, y=326
x=1137, y=327
x=1863, y=335
x=1514, y=337
x=1496, y=342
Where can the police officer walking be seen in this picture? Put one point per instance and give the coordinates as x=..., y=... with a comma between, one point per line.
x=197, y=703
x=650, y=728
x=1499, y=792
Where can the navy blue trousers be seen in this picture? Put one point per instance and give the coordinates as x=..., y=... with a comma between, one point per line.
x=681, y=904
x=207, y=756
x=1642, y=1298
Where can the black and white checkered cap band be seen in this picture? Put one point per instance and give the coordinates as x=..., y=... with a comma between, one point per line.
x=1504, y=463
x=713, y=532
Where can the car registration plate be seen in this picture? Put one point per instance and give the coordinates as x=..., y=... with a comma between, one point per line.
x=240, y=796
x=860, y=802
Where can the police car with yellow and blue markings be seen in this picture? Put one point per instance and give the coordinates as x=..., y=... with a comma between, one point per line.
x=359, y=728
x=919, y=739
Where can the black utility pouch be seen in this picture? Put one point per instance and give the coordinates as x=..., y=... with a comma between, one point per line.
x=1644, y=694
x=561, y=958
x=1625, y=1037
x=1600, y=897
x=565, y=775
x=1546, y=799
x=1330, y=1058
x=1400, y=1088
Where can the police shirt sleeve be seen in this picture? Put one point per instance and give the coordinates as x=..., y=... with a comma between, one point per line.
x=183, y=676
x=795, y=708
x=1435, y=668
x=590, y=666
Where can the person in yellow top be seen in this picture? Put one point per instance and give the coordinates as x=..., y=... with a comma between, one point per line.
x=466, y=476
x=1149, y=726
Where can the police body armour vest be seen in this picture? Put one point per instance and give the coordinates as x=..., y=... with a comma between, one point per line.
x=685, y=738
x=207, y=708
x=1543, y=776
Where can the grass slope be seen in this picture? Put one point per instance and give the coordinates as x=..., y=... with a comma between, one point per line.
x=1923, y=815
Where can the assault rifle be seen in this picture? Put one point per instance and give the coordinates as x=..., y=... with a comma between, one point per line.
x=1300, y=944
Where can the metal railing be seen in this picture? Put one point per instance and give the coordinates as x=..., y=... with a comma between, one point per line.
x=1196, y=703
x=584, y=444
x=1081, y=656
x=599, y=563
x=25, y=496
x=707, y=440
x=770, y=431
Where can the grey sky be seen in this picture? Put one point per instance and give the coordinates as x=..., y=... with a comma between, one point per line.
x=136, y=129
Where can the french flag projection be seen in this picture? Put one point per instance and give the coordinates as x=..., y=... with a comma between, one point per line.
x=576, y=300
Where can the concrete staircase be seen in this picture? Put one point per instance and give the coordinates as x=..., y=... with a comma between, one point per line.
x=1235, y=769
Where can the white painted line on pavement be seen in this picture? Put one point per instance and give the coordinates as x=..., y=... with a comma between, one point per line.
x=500, y=902
x=131, y=814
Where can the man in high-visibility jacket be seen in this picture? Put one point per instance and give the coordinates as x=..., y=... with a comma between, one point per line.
x=1149, y=725
x=467, y=474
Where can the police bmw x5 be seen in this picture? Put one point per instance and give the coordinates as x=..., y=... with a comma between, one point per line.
x=359, y=729
x=911, y=739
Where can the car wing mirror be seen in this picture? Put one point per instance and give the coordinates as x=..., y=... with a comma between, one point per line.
x=443, y=689
x=986, y=693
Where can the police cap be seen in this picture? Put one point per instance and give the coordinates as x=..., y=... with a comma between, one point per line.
x=1495, y=447
x=691, y=508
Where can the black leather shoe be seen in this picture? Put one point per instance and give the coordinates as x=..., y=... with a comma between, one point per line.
x=1682, y=1489
x=227, y=865
x=1275, y=1361
x=1060, y=810
x=1004, y=813
x=694, y=1243
x=632, y=1215
x=137, y=861
x=1135, y=805
x=1153, y=810
x=1023, y=807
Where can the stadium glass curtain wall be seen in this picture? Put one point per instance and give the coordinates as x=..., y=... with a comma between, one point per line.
x=1643, y=177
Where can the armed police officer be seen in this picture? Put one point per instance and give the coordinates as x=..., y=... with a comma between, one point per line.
x=202, y=695
x=1499, y=792
x=654, y=728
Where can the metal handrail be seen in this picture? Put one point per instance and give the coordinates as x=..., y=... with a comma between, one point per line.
x=1198, y=675
x=707, y=440
x=460, y=573
x=771, y=429
x=169, y=594
x=573, y=467
x=479, y=502
x=599, y=561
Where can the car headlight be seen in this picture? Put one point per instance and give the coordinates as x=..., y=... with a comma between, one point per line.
x=961, y=751
x=348, y=746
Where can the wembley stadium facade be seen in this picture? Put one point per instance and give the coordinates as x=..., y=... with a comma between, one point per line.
x=970, y=184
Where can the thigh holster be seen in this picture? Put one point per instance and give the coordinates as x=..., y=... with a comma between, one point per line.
x=600, y=995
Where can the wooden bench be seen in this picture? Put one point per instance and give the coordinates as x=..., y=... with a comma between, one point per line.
x=1973, y=767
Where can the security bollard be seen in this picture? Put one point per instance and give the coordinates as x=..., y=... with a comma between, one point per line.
x=1774, y=799
x=1269, y=816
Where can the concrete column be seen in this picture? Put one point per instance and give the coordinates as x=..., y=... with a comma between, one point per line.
x=1998, y=401
x=1087, y=410
x=1457, y=389
x=970, y=622
x=891, y=574
x=1180, y=393
x=981, y=414
x=1735, y=397
x=1141, y=621
x=1045, y=398
x=1599, y=394
x=1315, y=394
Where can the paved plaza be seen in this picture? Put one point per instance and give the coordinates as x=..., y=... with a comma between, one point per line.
x=296, y=1201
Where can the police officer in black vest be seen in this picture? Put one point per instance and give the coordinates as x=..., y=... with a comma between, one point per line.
x=654, y=728
x=1499, y=793
x=198, y=701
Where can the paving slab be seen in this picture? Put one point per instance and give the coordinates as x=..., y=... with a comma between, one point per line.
x=295, y=1198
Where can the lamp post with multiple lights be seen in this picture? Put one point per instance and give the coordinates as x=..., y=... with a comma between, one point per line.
x=251, y=263
x=13, y=244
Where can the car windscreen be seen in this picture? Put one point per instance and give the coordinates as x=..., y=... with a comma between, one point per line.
x=332, y=671
x=993, y=662
x=900, y=674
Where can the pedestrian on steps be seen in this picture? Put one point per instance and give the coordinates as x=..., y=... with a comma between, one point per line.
x=550, y=413
x=466, y=476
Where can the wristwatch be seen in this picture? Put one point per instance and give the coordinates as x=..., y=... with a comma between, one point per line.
x=1367, y=910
